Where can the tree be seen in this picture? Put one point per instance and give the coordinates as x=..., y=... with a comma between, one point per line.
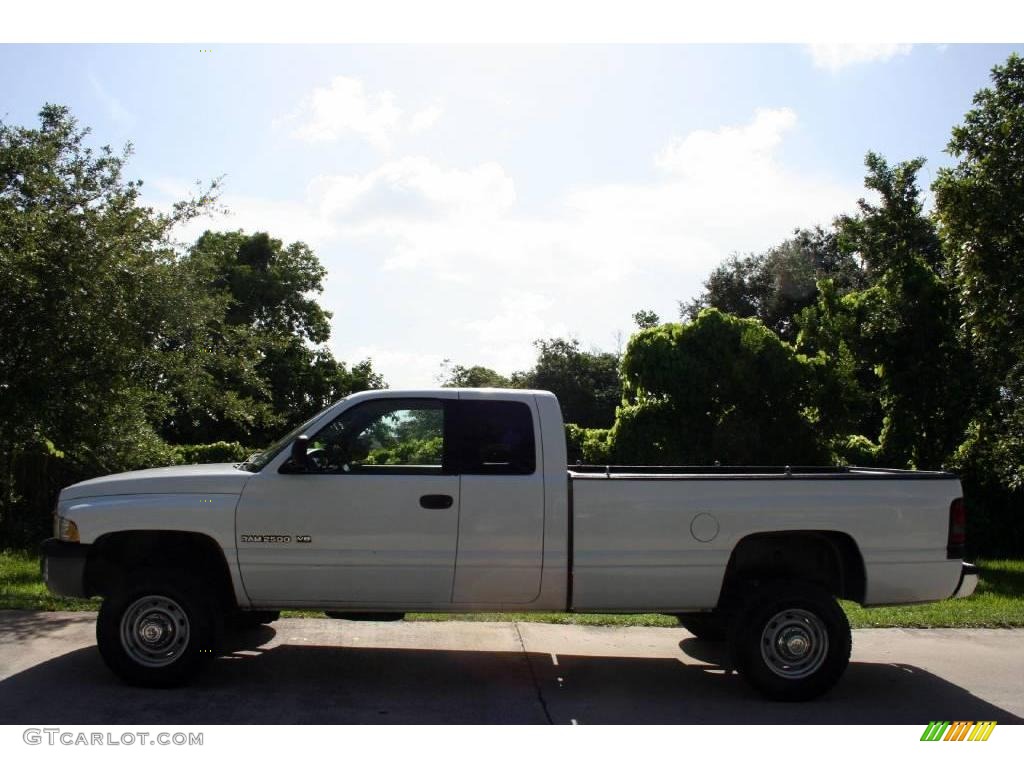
x=980, y=211
x=303, y=380
x=586, y=383
x=720, y=388
x=903, y=327
x=847, y=384
x=270, y=368
x=473, y=376
x=269, y=283
x=646, y=318
x=776, y=285
x=96, y=316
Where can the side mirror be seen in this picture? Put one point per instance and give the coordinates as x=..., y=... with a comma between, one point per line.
x=298, y=457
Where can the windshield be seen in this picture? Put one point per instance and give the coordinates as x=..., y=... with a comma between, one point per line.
x=260, y=459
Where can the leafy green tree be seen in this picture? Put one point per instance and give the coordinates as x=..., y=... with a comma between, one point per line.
x=270, y=368
x=269, y=283
x=96, y=315
x=646, y=318
x=473, y=376
x=720, y=388
x=905, y=325
x=847, y=384
x=303, y=380
x=586, y=383
x=776, y=285
x=980, y=210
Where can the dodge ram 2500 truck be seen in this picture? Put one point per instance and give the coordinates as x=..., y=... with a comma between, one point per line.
x=460, y=500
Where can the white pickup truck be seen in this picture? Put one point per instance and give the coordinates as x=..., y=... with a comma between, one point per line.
x=460, y=500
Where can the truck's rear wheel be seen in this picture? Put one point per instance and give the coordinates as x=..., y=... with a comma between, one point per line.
x=790, y=641
x=157, y=629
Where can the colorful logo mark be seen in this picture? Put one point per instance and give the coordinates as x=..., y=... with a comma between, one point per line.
x=958, y=730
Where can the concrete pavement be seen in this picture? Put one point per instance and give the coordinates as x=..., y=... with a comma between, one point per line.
x=329, y=671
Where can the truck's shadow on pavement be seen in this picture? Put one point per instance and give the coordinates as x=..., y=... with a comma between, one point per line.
x=319, y=684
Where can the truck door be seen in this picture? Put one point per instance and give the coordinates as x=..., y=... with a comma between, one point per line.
x=501, y=520
x=373, y=519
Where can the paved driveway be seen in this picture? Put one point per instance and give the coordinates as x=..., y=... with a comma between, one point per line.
x=327, y=671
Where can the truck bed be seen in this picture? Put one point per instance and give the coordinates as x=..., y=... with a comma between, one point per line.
x=660, y=538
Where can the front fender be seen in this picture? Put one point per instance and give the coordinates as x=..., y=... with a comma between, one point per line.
x=209, y=514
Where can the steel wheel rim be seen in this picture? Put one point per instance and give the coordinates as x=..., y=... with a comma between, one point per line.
x=794, y=643
x=155, y=631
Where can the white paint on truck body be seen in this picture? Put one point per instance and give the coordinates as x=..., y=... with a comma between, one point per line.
x=634, y=548
x=634, y=542
x=208, y=514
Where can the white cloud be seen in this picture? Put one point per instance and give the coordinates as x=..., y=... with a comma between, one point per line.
x=405, y=369
x=415, y=187
x=835, y=57
x=425, y=119
x=344, y=108
x=734, y=149
x=519, y=315
x=428, y=262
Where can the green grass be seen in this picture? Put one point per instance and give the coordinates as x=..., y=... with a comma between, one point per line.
x=998, y=602
x=21, y=586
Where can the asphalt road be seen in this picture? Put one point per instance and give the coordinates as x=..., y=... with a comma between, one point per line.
x=328, y=671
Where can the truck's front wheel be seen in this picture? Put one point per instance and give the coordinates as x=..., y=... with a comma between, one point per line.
x=157, y=629
x=791, y=640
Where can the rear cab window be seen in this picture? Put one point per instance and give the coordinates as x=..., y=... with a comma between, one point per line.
x=495, y=437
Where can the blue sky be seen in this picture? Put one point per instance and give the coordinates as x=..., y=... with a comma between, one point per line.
x=469, y=200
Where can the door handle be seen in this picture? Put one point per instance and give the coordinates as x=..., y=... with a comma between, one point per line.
x=436, y=501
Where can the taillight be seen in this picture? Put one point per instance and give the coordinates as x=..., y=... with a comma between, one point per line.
x=957, y=530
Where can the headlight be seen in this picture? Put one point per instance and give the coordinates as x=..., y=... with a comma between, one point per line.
x=66, y=529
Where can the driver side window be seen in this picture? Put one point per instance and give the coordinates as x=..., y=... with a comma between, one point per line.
x=384, y=436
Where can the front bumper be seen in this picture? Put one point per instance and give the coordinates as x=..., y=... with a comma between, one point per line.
x=968, y=581
x=63, y=567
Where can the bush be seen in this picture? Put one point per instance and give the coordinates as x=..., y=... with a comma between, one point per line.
x=586, y=445
x=211, y=453
x=719, y=388
x=857, y=451
x=411, y=451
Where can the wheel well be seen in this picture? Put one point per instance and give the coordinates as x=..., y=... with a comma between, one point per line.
x=114, y=555
x=827, y=558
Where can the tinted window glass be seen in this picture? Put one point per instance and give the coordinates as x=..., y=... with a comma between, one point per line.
x=388, y=435
x=496, y=438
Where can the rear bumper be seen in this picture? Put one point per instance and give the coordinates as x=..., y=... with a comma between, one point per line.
x=63, y=567
x=968, y=581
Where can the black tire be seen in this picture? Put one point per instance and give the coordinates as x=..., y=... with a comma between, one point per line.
x=711, y=625
x=253, y=619
x=790, y=640
x=157, y=629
